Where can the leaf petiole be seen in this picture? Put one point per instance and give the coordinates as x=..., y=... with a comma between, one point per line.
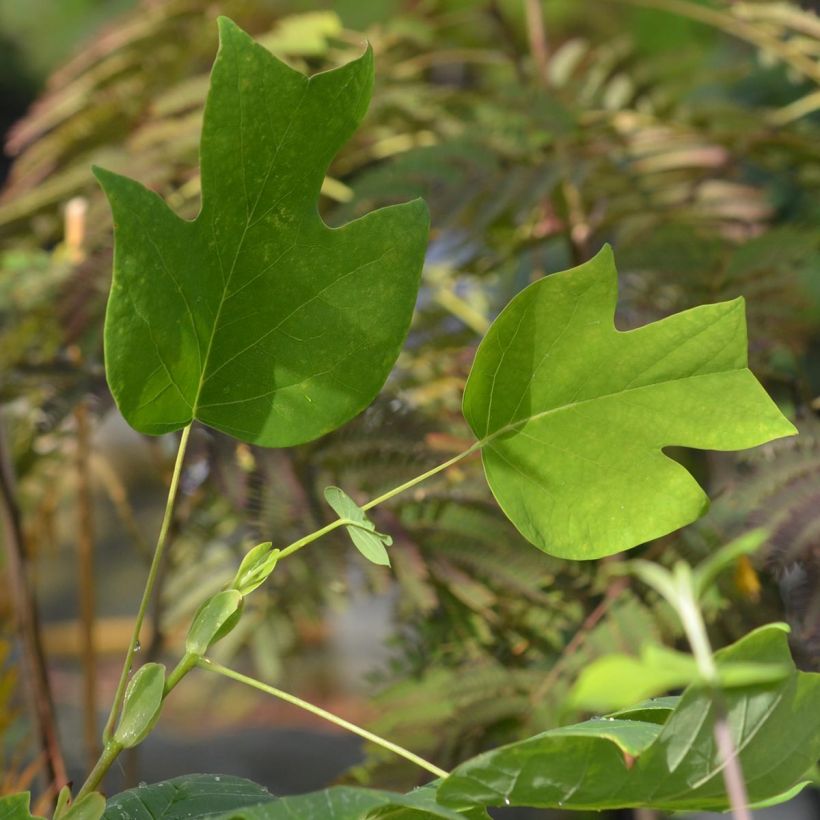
x=205, y=663
x=116, y=706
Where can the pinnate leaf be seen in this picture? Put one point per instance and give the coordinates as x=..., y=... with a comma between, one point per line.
x=256, y=318
x=574, y=414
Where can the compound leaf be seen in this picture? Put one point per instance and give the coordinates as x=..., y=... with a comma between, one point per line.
x=574, y=414
x=256, y=318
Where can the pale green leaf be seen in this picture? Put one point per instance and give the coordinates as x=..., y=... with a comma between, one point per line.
x=142, y=705
x=574, y=414
x=615, y=681
x=256, y=318
x=214, y=619
x=371, y=544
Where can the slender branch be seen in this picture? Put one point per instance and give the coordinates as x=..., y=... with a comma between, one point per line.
x=340, y=522
x=27, y=623
x=210, y=665
x=149, y=586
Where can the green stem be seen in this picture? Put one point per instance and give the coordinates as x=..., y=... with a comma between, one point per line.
x=188, y=662
x=146, y=593
x=341, y=522
x=205, y=663
x=109, y=754
x=424, y=476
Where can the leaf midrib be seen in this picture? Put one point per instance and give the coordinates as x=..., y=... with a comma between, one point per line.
x=514, y=425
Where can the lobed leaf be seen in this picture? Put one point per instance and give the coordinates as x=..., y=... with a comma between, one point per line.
x=574, y=414
x=256, y=318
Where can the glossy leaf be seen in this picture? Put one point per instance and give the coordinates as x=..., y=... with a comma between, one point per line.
x=257, y=318
x=371, y=544
x=182, y=798
x=575, y=414
x=142, y=705
x=674, y=766
x=352, y=803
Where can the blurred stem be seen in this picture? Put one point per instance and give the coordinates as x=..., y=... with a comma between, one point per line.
x=149, y=586
x=85, y=562
x=25, y=611
x=689, y=612
x=737, y=27
x=204, y=663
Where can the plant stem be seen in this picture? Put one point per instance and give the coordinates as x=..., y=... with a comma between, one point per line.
x=340, y=522
x=146, y=593
x=424, y=476
x=109, y=754
x=692, y=620
x=205, y=663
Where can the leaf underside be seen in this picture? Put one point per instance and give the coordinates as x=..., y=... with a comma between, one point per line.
x=574, y=414
x=256, y=318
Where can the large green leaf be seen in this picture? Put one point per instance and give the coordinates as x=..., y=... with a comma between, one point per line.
x=616, y=762
x=189, y=796
x=353, y=803
x=256, y=318
x=573, y=414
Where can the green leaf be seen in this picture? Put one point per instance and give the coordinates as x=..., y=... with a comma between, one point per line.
x=256, y=567
x=614, y=681
x=214, y=619
x=368, y=542
x=189, y=796
x=256, y=318
x=775, y=728
x=16, y=807
x=574, y=414
x=708, y=570
x=142, y=705
x=90, y=807
x=352, y=803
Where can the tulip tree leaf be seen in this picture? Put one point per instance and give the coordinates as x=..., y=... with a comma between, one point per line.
x=186, y=797
x=573, y=415
x=674, y=766
x=16, y=807
x=256, y=318
x=371, y=544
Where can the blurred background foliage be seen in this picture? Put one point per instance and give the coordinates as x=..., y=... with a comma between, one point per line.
x=685, y=133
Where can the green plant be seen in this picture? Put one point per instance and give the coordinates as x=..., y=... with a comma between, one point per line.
x=259, y=320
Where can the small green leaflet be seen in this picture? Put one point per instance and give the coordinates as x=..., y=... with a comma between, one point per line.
x=256, y=318
x=573, y=415
x=368, y=542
